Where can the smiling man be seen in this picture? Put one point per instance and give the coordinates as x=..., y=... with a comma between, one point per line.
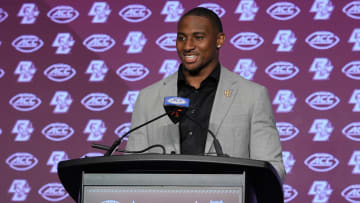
x=238, y=111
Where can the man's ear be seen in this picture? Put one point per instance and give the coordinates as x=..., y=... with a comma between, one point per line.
x=220, y=40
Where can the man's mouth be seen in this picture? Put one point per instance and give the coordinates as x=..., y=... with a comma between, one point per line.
x=190, y=58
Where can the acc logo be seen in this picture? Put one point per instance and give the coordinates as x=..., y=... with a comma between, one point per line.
x=99, y=42
x=97, y=101
x=25, y=101
x=352, y=9
x=167, y=41
x=64, y=42
x=352, y=193
x=25, y=70
x=286, y=100
x=322, y=128
x=59, y=72
x=247, y=40
x=122, y=129
x=321, y=162
x=215, y=8
x=130, y=100
x=27, y=43
x=246, y=68
x=96, y=129
x=287, y=131
x=132, y=72
x=322, y=100
x=21, y=189
x=322, y=8
x=282, y=70
x=355, y=99
x=283, y=10
x=53, y=192
x=352, y=70
x=173, y=10
x=63, y=14
x=2, y=72
x=29, y=12
x=322, y=40
x=100, y=11
x=55, y=158
x=98, y=70
x=352, y=131
x=136, y=41
x=23, y=130
x=289, y=161
x=247, y=10
x=355, y=38
x=285, y=39
x=3, y=15
x=22, y=161
x=57, y=131
x=322, y=68
x=289, y=193
x=135, y=13
x=169, y=67
x=321, y=190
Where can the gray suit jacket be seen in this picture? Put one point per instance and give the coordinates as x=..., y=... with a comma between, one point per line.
x=241, y=118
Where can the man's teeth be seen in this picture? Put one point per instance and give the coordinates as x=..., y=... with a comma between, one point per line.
x=190, y=57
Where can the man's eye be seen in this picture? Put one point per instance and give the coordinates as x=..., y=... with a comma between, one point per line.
x=199, y=37
x=180, y=38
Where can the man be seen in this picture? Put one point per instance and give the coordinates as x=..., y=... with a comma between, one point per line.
x=238, y=111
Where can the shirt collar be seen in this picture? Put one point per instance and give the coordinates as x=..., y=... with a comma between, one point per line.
x=215, y=74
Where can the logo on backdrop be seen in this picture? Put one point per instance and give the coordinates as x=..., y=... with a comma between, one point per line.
x=2, y=72
x=322, y=9
x=289, y=161
x=352, y=131
x=247, y=40
x=62, y=101
x=20, y=189
x=247, y=10
x=22, y=161
x=322, y=40
x=59, y=72
x=169, y=67
x=322, y=100
x=132, y=72
x=130, y=100
x=63, y=14
x=26, y=71
x=173, y=11
x=355, y=38
x=96, y=129
x=122, y=129
x=167, y=41
x=55, y=158
x=53, y=192
x=111, y=201
x=97, y=70
x=92, y=154
x=57, y=131
x=135, y=13
x=352, y=70
x=23, y=130
x=97, y=101
x=322, y=68
x=100, y=11
x=321, y=162
x=99, y=42
x=29, y=12
x=352, y=9
x=25, y=102
x=289, y=193
x=322, y=128
x=355, y=161
x=286, y=100
x=285, y=39
x=355, y=99
x=321, y=190
x=352, y=193
x=287, y=131
x=3, y=15
x=64, y=42
x=283, y=10
x=246, y=68
x=220, y=11
x=282, y=70
x=27, y=43
x=136, y=41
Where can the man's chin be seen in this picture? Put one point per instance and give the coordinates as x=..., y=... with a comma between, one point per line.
x=193, y=71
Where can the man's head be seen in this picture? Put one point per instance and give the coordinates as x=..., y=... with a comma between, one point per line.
x=199, y=38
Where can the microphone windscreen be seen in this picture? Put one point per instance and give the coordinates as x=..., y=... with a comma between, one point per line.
x=175, y=107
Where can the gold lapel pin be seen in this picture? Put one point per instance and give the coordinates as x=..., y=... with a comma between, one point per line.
x=227, y=93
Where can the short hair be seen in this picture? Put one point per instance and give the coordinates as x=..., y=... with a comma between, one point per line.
x=207, y=13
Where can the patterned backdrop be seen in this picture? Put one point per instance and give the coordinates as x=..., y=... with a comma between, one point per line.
x=71, y=70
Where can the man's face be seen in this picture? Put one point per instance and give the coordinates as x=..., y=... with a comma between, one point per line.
x=196, y=44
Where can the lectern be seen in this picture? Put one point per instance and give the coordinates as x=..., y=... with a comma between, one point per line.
x=170, y=179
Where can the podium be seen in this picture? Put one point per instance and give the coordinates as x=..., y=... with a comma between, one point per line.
x=148, y=174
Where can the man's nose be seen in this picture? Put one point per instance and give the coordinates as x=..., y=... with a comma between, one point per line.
x=189, y=44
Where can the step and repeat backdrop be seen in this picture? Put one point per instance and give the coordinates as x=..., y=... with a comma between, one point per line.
x=70, y=73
